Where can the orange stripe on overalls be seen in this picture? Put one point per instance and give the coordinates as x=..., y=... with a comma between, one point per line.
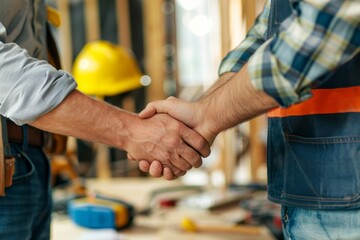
x=324, y=101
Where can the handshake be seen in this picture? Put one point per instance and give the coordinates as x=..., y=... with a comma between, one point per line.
x=175, y=136
x=168, y=137
x=182, y=132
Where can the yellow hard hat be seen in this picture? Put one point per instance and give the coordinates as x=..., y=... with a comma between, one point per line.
x=105, y=69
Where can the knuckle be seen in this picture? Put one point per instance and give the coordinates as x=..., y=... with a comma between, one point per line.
x=180, y=127
x=170, y=98
x=176, y=125
x=149, y=147
x=174, y=142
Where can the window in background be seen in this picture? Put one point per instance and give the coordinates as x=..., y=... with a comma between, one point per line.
x=198, y=42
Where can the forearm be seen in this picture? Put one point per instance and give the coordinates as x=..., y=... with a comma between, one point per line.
x=86, y=118
x=234, y=102
x=218, y=84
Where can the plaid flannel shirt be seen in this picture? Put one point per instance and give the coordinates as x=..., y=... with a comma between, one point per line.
x=317, y=38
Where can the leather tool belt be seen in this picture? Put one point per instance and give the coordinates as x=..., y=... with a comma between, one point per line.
x=35, y=137
x=12, y=133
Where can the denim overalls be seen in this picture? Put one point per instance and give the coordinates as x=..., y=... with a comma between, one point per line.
x=314, y=155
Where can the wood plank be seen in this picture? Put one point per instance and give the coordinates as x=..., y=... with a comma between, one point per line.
x=65, y=41
x=123, y=23
x=257, y=147
x=228, y=152
x=92, y=20
x=154, y=36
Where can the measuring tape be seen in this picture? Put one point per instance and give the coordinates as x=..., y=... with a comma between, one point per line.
x=101, y=212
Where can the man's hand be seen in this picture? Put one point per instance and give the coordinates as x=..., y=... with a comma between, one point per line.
x=167, y=140
x=190, y=113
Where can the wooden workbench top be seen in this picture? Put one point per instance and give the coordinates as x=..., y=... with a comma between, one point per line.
x=162, y=224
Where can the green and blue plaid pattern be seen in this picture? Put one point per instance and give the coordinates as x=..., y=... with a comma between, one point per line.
x=317, y=38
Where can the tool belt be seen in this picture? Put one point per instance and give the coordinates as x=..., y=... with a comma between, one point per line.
x=12, y=133
x=34, y=137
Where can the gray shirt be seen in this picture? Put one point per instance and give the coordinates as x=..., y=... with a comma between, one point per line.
x=29, y=86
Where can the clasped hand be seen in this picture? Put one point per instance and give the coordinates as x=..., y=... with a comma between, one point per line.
x=187, y=141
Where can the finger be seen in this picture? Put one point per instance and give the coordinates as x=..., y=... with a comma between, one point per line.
x=168, y=174
x=179, y=162
x=196, y=141
x=156, y=169
x=144, y=165
x=189, y=155
x=149, y=111
x=177, y=172
x=162, y=106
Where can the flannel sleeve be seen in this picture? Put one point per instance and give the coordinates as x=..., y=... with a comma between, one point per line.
x=317, y=38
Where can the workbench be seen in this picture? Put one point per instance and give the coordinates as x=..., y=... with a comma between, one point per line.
x=164, y=223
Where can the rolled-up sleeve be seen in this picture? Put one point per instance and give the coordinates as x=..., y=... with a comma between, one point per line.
x=319, y=37
x=29, y=88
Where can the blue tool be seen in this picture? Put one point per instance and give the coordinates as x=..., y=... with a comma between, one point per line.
x=101, y=212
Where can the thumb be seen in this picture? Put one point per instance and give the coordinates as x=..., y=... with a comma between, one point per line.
x=149, y=111
x=162, y=106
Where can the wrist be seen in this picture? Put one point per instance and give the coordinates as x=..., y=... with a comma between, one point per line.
x=124, y=123
x=208, y=124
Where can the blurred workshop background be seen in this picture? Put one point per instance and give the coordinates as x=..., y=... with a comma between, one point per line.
x=129, y=53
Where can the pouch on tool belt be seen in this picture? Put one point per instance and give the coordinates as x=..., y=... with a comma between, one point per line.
x=7, y=168
x=7, y=162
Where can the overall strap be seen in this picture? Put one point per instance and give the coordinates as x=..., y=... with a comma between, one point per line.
x=279, y=11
